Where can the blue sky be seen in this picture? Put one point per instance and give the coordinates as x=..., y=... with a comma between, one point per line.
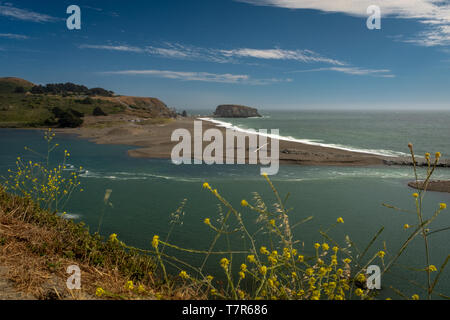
x=271, y=54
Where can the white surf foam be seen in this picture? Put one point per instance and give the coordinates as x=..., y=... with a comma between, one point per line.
x=379, y=152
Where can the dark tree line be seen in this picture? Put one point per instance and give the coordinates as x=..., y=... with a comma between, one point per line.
x=65, y=119
x=67, y=88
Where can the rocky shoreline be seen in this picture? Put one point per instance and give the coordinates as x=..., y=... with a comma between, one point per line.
x=402, y=161
x=436, y=185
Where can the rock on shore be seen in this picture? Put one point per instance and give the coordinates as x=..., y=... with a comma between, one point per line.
x=235, y=111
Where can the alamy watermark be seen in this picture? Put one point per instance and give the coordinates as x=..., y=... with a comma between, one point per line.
x=374, y=20
x=74, y=281
x=256, y=151
x=73, y=22
x=374, y=277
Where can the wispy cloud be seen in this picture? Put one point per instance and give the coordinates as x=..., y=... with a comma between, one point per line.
x=383, y=73
x=7, y=10
x=199, y=76
x=434, y=14
x=306, y=56
x=13, y=36
x=178, y=51
x=122, y=48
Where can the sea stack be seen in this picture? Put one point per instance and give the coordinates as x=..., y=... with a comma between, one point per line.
x=235, y=111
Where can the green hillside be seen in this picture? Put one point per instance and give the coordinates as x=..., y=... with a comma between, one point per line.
x=10, y=84
x=20, y=108
x=29, y=110
x=66, y=104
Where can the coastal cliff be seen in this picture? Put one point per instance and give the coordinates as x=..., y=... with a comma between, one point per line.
x=235, y=111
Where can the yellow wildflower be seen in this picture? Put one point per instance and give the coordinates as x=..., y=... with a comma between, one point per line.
x=317, y=245
x=442, y=206
x=438, y=155
x=325, y=247
x=251, y=258
x=241, y=275
x=415, y=195
x=243, y=267
x=155, y=241
x=340, y=220
x=359, y=292
x=244, y=203
x=415, y=297
x=406, y=226
x=113, y=237
x=432, y=268
x=99, y=292
x=129, y=285
x=207, y=221
x=381, y=254
x=347, y=260
x=263, y=270
x=301, y=258
x=224, y=262
x=184, y=275
x=361, y=277
x=206, y=185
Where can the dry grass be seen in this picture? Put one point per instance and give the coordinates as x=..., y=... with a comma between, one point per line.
x=36, y=247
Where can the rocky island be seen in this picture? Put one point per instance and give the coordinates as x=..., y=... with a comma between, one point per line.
x=235, y=111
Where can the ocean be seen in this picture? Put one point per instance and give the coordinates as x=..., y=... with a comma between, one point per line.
x=146, y=191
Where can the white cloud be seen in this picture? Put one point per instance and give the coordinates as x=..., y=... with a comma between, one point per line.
x=112, y=48
x=383, y=73
x=199, y=76
x=178, y=51
x=306, y=56
x=9, y=11
x=13, y=36
x=434, y=14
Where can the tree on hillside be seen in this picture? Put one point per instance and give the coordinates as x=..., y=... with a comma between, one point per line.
x=19, y=90
x=98, y=112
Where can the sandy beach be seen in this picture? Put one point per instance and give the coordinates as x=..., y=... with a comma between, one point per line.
x=154, y=141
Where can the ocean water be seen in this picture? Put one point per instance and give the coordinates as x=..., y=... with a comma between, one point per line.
x=378, y=132
x=146, y=191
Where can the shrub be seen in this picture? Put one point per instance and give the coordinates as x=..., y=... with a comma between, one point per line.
x=19, y=90
x=98, y=112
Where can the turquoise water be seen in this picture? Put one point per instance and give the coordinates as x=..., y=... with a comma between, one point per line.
x=146, y=192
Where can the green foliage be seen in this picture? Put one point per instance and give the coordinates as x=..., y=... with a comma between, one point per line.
x=98, y=112
x=70, y=88
x=28, y=110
